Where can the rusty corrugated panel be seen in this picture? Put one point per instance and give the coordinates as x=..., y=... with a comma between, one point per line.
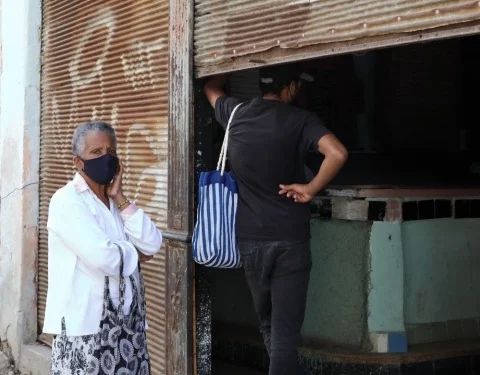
x=108, y=59
x=225, y=30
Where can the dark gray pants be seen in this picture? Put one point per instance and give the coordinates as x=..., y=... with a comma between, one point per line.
x=278, y=274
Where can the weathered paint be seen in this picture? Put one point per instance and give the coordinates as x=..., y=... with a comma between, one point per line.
x=386, y=274
x=19, y=163
x=108, y=60
x=423, y=278
x=181, y=117
x=442, y=270
x=245, y=33
x=385, y=298
x=179, y=309
x=179, y=300
x=337, y=298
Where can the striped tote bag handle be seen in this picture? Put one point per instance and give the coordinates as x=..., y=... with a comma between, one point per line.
x=214, y=241
x=222, y=159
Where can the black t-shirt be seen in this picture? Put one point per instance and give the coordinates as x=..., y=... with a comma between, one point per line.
x=267, y=144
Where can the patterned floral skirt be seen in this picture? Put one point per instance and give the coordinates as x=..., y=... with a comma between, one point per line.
x=72, y=354
x=119, y=348
x=75, y=355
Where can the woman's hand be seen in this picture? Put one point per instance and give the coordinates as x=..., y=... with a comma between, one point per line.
x=144, y=258
x=114, y=190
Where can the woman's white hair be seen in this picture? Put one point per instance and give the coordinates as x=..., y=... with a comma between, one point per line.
x=80, y=133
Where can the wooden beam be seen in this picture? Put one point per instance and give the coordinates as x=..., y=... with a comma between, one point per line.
x=179, y=271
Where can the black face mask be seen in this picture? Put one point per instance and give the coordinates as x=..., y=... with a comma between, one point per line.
x=102, y=169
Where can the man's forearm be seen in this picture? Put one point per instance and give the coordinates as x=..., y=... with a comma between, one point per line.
x=328, y=170
x=214, y=88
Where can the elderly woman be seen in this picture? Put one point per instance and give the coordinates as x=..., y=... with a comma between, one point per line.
x=96, y=239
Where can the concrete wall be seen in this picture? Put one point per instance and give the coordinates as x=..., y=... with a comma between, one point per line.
x=386, y=278
x=378, y=277
x=19, y=164
x=336, y=308
x=424, y=278
x=442, y=270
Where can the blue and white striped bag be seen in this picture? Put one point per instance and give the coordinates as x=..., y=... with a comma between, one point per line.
x=214, y=241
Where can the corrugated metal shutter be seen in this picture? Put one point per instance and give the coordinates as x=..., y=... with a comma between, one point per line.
x=108, y=59
x=226, y=30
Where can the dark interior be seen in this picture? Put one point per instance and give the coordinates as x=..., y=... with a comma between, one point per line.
x=406, y=114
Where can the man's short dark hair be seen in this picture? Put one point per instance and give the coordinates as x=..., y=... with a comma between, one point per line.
x=273, y=79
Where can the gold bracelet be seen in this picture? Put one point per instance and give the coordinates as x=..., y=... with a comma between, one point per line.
x=123, y=203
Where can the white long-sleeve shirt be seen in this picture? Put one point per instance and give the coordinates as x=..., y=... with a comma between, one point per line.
x=83, y=235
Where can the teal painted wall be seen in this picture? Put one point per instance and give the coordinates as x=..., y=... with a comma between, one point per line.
x=336, y=308
x=385, y=300
x=442, y=270
x=375, y=278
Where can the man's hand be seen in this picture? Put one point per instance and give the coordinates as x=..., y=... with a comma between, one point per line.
x=335, y=157
x=214, y=88
x=144, y=258
x=300, y=193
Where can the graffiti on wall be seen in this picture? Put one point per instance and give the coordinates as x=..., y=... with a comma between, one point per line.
x=108, y=60
x=114, y=78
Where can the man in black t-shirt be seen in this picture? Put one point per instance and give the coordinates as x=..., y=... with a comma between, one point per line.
x=268, y=141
